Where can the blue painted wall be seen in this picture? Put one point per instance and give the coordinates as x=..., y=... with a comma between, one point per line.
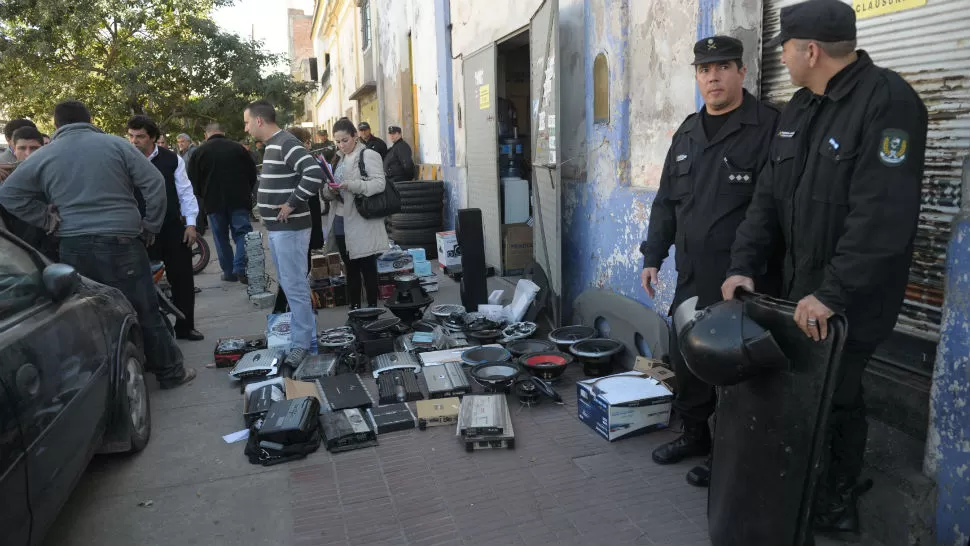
x=949, y=444
x=599, y=228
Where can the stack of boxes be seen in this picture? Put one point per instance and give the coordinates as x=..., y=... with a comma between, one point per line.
x=387, y=269
x=258, y=288
x=422, y=270
x=328, y=281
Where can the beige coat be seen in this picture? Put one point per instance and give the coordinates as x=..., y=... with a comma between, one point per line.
x=364, y=237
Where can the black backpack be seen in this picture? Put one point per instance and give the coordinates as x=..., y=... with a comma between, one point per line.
x=379, y=205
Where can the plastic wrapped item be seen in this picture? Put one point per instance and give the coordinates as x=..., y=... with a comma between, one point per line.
x=525, y=294
x=278, y=330
x=317, y=366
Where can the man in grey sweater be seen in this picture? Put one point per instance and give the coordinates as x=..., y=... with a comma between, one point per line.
x=90, y=178
x=290, y=177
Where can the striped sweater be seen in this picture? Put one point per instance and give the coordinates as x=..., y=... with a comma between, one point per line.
x=290, y=175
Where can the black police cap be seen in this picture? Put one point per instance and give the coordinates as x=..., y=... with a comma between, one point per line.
x=716, y=49
x=821, y=20
x=393, y=129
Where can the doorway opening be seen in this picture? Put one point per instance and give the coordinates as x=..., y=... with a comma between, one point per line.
x=514, y=135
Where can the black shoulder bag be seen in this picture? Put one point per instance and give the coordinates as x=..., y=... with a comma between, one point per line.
x=379, y=205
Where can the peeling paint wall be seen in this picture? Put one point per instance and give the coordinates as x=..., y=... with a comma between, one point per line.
x=948, y=442
x=477, y=23
x=340, y=40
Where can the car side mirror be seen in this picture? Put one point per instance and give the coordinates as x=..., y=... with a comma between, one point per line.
x=60, y=280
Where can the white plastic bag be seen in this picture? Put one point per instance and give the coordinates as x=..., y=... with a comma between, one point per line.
x=525, y=294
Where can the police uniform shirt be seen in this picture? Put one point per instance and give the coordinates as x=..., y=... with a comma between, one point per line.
x=842, y=191
x=705, y=188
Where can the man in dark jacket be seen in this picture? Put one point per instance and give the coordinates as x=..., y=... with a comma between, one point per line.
x=225, y=174
x=706, y=186
x=173, y=246
x=399, y=161
x=842, y=193
x=368, y=139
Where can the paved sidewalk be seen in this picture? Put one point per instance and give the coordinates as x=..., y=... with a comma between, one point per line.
x=562, y=484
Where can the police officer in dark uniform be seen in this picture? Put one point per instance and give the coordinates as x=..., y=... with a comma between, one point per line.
x=399, y=161
x=706, y=185
x=842, y=192
x=370, y=140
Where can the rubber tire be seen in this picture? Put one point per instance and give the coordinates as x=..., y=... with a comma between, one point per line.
x=417, y=206
x=206, y=255
x=413, y=185
x=424, y=194
x=417, y=237
x=138, y=440
x=408, y=221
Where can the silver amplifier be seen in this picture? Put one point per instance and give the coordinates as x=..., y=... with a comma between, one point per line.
x=446, y=380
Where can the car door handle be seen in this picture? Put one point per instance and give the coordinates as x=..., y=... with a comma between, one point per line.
x=28, y=381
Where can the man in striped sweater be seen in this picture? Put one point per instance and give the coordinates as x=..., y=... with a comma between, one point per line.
x=290, y=176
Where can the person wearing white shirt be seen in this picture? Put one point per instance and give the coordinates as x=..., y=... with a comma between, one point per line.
x=173, y=245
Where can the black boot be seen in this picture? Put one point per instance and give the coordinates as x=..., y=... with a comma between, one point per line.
x=700, y=475
x=837, y=506
x=694, y=442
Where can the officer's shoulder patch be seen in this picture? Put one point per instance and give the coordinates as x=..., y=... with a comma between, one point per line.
x=893, y=146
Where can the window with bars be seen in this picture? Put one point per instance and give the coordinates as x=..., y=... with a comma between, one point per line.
x=365, y=24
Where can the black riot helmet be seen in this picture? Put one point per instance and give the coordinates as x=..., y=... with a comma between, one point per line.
x=724, y=346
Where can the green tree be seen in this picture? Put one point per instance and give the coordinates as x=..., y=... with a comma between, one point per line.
x=164, y=58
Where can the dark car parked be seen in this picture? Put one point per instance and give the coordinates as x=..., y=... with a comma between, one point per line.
x=72, y=384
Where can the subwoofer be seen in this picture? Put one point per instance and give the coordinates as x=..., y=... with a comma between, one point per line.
x=470, y=233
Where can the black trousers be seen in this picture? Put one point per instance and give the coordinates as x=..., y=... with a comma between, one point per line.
x=365, y=268
x=177, y=257
x=848, y=428
x=695, y=399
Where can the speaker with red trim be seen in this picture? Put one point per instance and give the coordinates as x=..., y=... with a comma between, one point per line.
x=471, y=238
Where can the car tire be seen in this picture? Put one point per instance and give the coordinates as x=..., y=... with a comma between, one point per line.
x=411, y=221
x=419, y=237
x=417, y=206
x=135, y=400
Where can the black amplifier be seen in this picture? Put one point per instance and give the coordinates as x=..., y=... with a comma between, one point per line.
x=398, y=386
x=345, y=391
x=291, y=422
x=392, y=418
x=346, y=430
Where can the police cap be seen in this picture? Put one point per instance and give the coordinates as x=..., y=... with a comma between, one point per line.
x=716, y=49
x=821, y=20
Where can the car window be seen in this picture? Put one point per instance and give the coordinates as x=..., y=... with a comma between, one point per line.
x=21, y=283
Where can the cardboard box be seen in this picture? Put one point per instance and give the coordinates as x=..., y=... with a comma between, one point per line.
x=291, y=387
x=449, y=253
x=622, y=405
x=643, y=364
x=320, y=272
x=334, y=258
x=517, y=249
x=318, y=260
x=422, y=268
x=438, y=412
x=403, y=264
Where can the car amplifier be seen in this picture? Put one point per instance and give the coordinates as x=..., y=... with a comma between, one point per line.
x=317, y=366
x=261, y=363
x=484, y=415
x=345, y=430
x=394, y=361
x=436, y=413
x=392, y=418
x=446, y=380
x=291, y=422
x=398, y=386
x=345, y=391
x=503, y=440
x=260, y=401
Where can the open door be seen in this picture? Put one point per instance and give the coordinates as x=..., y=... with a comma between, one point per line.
x=482, y=152
x=546, y=187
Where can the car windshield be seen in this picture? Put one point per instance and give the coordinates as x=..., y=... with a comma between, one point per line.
x=20, y=278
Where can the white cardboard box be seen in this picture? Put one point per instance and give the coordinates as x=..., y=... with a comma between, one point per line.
x=449, y=254
x=622, y=405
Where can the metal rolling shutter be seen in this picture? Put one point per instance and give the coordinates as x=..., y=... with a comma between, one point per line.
x=928, y=46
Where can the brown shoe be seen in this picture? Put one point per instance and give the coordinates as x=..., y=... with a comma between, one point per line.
x=189, y=375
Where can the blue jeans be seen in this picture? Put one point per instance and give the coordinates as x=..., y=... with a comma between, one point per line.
x=289, y=250
x=221, y=224
x=122, y=263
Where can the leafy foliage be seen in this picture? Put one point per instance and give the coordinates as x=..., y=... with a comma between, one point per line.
x=163, y=58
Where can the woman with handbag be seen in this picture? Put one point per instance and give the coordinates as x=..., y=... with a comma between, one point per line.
x=359, y=181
